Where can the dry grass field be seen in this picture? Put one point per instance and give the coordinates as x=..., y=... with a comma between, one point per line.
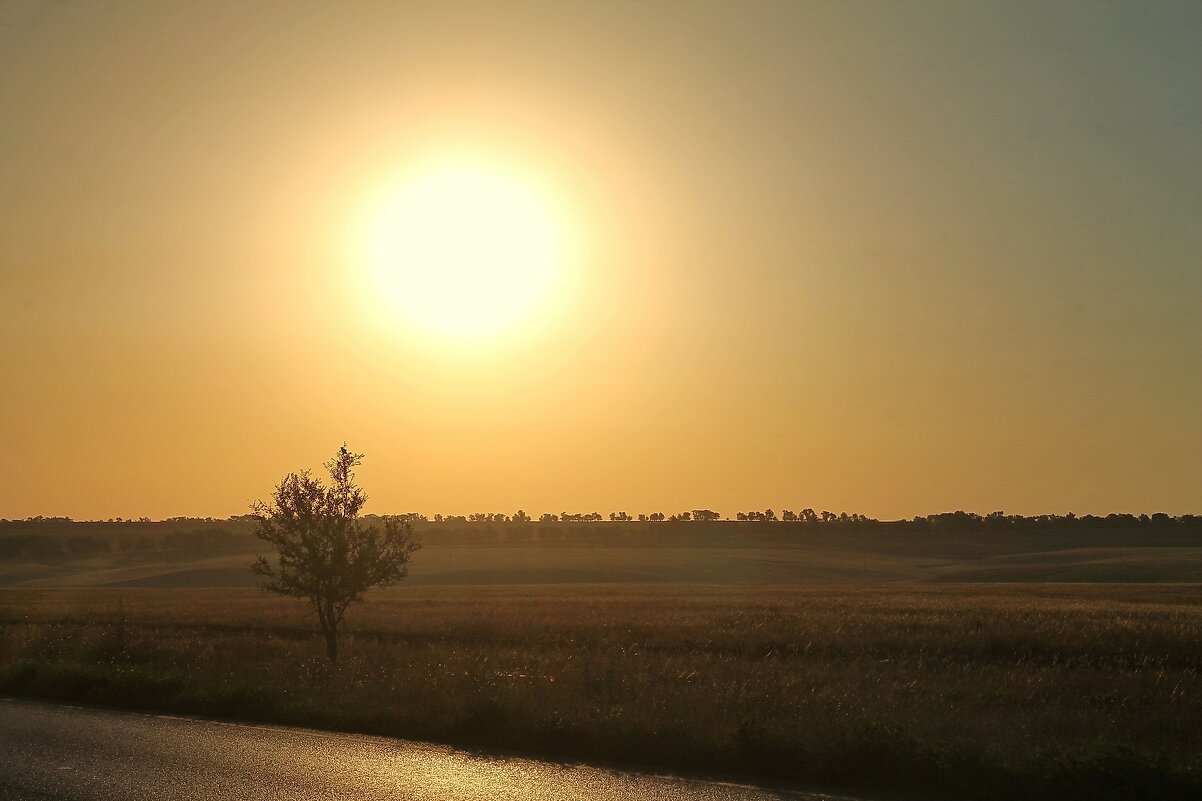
x=617, y=553
x=973, y=691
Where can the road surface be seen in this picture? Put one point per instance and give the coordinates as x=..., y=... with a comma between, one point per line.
x=50, y=751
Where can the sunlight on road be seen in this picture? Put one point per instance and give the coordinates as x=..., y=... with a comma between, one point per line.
x=68, y=752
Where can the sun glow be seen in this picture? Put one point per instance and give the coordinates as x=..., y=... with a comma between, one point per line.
x=461, y=250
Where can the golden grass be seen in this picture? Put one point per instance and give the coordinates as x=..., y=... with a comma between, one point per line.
x=982, y=691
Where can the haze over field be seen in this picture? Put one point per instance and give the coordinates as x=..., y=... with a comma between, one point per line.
x=944, y=549
x=892, y=257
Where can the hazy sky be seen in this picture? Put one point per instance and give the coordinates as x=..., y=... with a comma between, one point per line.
x=892, y=258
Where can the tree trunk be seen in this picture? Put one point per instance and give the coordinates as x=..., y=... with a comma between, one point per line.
x=331, y=632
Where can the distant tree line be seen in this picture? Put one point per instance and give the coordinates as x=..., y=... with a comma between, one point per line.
x=60, y=539
x=177, y=532
x=808, y=516
x=57, y=548
x=520, y=516
x=43, y=522
x=968, y=521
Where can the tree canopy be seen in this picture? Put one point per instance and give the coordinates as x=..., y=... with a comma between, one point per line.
x=325, y=553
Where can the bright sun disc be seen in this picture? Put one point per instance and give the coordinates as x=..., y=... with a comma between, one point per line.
x=464, y=251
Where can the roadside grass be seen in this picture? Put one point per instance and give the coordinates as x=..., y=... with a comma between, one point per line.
x=976, y=691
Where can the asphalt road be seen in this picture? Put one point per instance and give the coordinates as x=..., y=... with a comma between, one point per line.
x=49, y=751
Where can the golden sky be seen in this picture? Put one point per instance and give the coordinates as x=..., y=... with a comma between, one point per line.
x=892, y=258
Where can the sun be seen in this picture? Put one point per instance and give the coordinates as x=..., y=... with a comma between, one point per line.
x=464, y=250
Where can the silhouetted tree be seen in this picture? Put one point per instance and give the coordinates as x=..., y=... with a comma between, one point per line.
x=327, y=555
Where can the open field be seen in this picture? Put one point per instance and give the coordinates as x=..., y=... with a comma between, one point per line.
x=197, y=554
x=975, y=691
